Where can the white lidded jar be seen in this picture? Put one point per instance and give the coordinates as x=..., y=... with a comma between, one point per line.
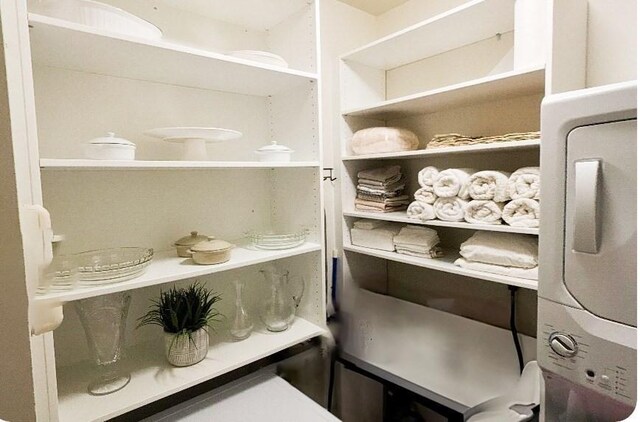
x=274, y=153
x=110, y=147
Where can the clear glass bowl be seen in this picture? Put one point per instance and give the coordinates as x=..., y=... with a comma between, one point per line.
x=104, y=266
x=271, y=241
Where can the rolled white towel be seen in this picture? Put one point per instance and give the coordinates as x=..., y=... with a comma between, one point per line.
x=483, y=212
x=528, y=273
x=489, y=185
x=421, y=211
x=506, y=249
x=425, y=195
x=522, y=212
x=427, y=176
x=525, y=183
x=450, y=209
x=453, y=182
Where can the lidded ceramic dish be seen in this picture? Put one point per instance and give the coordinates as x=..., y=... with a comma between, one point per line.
x=274, y=153
x=185, y=243
x=211, y=251
x=110, y=147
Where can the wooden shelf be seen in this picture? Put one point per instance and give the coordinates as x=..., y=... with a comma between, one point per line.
x=401, y=217
x=82, y=164
x=446, y=265
x=491, y=88
x=473, y=21
x=166, y=267
x=66, y=45
x=152, y=378
x=465, y=149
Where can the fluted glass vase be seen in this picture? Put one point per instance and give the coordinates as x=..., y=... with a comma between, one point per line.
x=104, y=320
x=242, y=325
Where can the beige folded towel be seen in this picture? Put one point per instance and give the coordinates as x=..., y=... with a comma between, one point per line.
x=380, y=174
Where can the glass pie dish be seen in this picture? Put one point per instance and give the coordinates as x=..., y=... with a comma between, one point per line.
x=105, y=266
x=275, y=241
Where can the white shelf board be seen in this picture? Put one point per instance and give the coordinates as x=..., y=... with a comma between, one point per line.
x=82, y=164
x=473, y=21
x=446, y=265
x=511, y=84
x=66, y=45
x=463, y=149
x=153, y=378
x=401, y=217
x=452, y=360
x=167, y=267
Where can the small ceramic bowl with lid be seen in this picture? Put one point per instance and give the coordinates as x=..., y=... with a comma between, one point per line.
x=110, y=147
x=274, y=153
x=183, y=244
x=212, y=251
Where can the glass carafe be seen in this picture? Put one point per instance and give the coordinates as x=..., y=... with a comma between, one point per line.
x=278, y=312
x=242, y=325
x=104, y=320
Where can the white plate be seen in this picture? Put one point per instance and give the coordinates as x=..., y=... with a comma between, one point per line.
x=260, y=56
x=208, y=134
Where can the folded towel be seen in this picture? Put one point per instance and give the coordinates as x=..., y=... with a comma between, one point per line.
x=399, y=200
x=391, y=189
x=376, y=184
x=377, y=238
x=387, y=203
x=525, y=183
x=528, y=273
x=435, y=252
x=483, y=212
x=414, y=237
x=506, y=249
x=425, y=195
x=368, y=208
x=489, y=185
x=367, y=224
x=380, y=174
x=522, y=212
x=377, y=197
x=450, y=209
x=421, y=211
x=453, y=182
x=427, y=176
x=383, y=139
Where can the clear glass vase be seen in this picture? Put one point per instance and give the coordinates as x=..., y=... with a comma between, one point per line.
x=104, y=320
x=242, y=325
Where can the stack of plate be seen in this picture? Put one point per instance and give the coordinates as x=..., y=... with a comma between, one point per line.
x=271, y=241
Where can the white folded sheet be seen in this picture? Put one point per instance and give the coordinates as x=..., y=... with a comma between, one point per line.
x=421, y=211
x=450, y=209
x=506, y=249
x=378, y=238
x=435, y=252
x=367, y=224
x=522, y=212
x=483, y=212
x=489, y=185
x=416, y=238
x=528, y=273
x=427, y=176
x=426, y=195
x=375, y=140
x=525, y=183
x=453, y=182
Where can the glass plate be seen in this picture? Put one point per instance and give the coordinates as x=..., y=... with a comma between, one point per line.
x=271, y=241
x=104, y=266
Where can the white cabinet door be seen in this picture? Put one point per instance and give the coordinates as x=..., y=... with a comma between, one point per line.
x=27, y=390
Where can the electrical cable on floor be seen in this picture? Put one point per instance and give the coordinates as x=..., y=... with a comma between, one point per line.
x=514, y=330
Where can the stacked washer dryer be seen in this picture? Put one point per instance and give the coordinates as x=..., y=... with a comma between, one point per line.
x=587, y=292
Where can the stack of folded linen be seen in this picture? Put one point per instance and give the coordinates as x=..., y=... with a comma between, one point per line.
x=514, y=255
x=418, y=241
x=456, y=139
x=381, y=190
x=422, y=207
x=377, y=140
x=451, y=186
x=524, y=191
x=489, y=190
x=374, y=234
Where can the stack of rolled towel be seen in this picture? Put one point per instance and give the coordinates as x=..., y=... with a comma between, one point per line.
x=514, y=255
x=524, y=190
x=422, y=207
x=381, y=190
x=408, y=240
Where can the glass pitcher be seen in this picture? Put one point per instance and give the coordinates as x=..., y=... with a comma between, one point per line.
x=283, y=297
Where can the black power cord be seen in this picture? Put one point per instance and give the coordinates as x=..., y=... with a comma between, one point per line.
x=514, y=330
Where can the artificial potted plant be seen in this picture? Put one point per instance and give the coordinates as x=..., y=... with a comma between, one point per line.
x=185, y=314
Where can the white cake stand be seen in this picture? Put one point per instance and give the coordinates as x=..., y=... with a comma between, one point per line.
x=194, y=139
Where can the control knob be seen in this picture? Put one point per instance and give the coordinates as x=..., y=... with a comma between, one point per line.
x=563, y=345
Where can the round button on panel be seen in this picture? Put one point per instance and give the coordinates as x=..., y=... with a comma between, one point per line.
x=563, y=345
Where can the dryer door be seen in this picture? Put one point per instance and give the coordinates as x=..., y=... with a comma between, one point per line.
x=600, y=217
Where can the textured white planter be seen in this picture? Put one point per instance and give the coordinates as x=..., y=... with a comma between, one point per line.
x=184, y=351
